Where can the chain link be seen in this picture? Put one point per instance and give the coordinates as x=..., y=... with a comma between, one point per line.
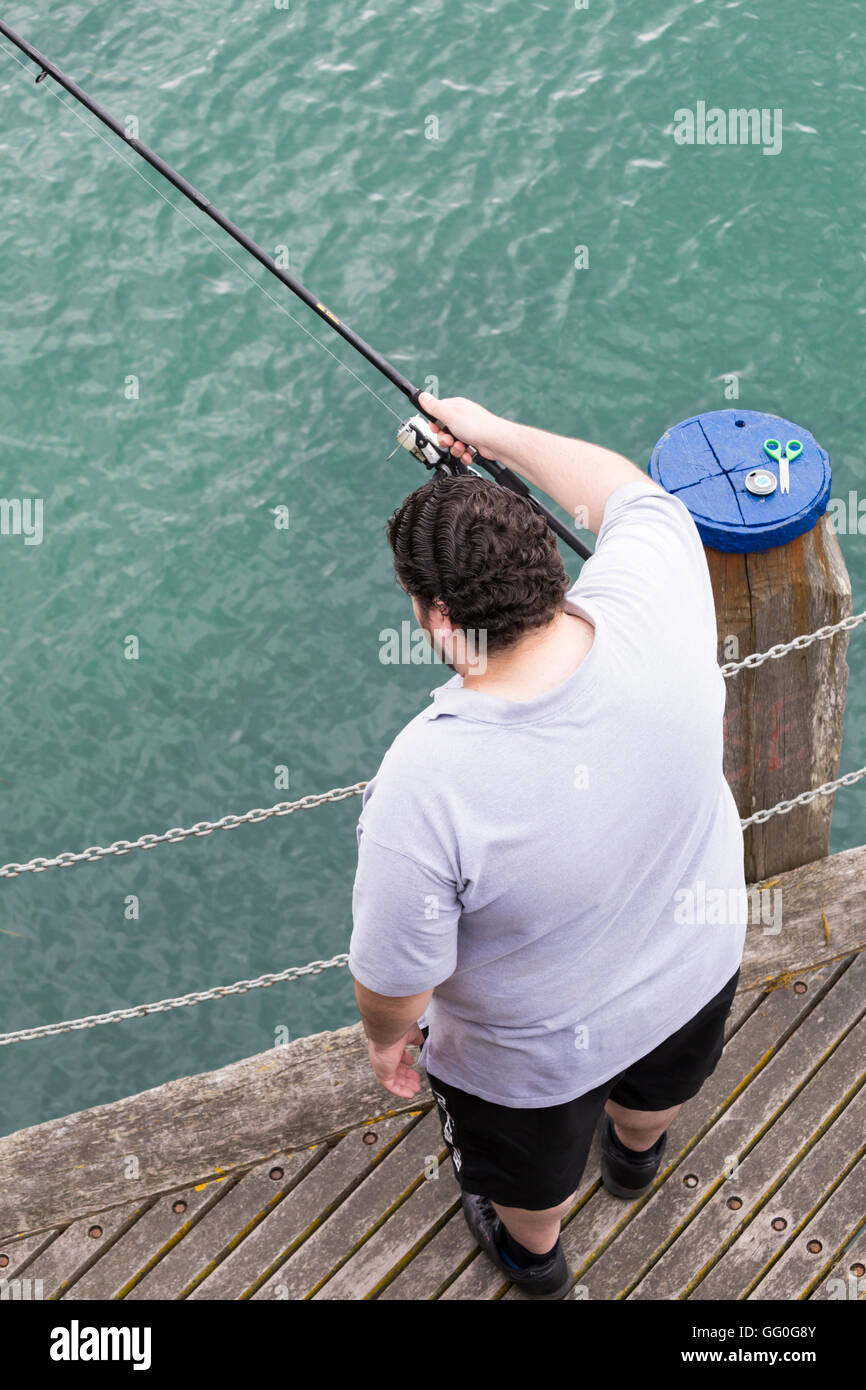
x=49, y=1030
x=783, y=807
x=177, y=833
x=798, y=644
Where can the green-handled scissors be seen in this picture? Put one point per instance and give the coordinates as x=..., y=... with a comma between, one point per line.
x=793, y=450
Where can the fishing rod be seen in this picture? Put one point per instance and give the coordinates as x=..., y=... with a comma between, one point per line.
x=415, y=434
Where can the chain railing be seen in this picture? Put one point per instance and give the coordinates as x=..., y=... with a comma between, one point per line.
x=305, y=803
x=48, y=1030
x=315, y=967
x=783, y=807
x=286, y=808
x=797, y=644
x=176, y=835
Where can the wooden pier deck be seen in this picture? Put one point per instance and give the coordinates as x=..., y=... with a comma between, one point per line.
x=762, y=1193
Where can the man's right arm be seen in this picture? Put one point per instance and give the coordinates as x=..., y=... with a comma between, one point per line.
x=579, y=476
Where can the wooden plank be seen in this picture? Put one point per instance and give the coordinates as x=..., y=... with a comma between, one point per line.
x=224, y=1225
x=759, y=1244
x=436, y=1264
x=333, y=1242
x=150, y=1239
x=261, y=1253
x=830, y=1230
x=645, y=1227
x=823, y=917
x=392, y=1246
x=187, y=1131
x=73, y=1252
x=846, y=1279
x=479, y=1280
x=17, y=1252
x=779, y=1149
x=745, y=1002
x=663, y=1218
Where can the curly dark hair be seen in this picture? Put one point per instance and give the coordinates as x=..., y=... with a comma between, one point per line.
x=483, y=552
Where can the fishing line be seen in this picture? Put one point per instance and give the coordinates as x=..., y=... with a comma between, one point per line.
x=215, y=244
x=418, y=434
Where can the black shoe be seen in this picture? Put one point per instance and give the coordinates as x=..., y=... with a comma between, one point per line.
x=626, y=1174
x=553, y=1279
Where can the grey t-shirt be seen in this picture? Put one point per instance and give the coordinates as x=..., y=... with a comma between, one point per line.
x=566, y=872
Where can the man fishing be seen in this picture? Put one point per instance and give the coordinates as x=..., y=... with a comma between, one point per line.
x=530, y=846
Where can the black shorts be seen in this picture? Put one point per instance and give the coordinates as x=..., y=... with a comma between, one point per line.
x=535, y=1159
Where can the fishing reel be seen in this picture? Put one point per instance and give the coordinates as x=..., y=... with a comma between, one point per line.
x=417, y=434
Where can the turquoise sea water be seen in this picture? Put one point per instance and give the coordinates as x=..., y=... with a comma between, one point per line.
x=259, y=648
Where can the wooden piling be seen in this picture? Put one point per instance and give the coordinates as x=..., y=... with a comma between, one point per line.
x=777, y=573
x=783, y=719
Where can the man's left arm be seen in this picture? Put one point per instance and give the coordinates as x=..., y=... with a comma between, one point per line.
x=404, y=936
x=391, y=1026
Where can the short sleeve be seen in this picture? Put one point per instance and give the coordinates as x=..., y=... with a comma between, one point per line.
x=405, y=919
x=649, y=566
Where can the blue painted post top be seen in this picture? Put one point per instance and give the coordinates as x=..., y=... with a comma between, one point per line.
x=716, y=464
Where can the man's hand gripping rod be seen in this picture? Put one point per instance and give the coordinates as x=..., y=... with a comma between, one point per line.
x=418, y=435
